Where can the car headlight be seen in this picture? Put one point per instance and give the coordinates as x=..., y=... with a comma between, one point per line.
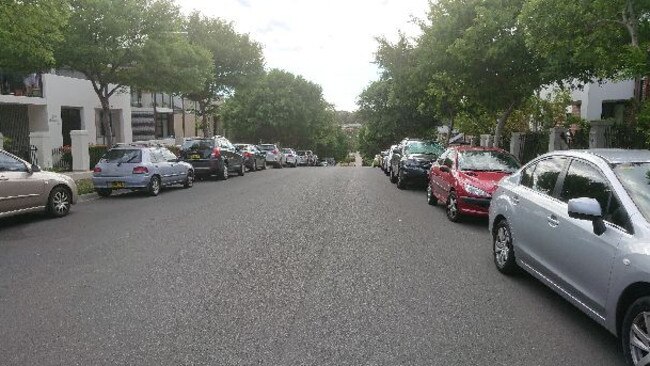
x=475, y=191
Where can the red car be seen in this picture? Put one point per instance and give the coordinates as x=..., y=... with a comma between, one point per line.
x=464, y=178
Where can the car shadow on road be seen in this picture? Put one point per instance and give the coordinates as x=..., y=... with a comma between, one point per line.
x=24, y=219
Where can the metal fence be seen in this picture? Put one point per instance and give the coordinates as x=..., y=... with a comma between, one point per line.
x=625, y=137
x=533, y=144
x=62, y=159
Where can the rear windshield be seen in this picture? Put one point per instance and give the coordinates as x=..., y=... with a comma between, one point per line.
x=123, y=156
x=197, y=144
x=267, y=147
x=288, y=151
x=300, y=152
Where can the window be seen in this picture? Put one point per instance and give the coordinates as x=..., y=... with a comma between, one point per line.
x=635, y=177
x=441, y=159
x=10, y=164
x=527, y=176
x=156, y=156
x=123, y=155
x=164, y=125
x=487, y=161
x=168, y=155
x=545, y=175
x=583, y=180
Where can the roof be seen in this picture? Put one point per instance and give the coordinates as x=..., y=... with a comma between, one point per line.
x=611, y=156
x=475, y=148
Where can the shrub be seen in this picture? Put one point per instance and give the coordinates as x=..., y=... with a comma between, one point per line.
x=96, y=153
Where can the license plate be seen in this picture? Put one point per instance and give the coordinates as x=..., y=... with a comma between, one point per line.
x=195, y=157
x=117, y=185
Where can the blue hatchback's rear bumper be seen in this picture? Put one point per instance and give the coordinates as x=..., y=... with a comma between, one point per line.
x=136, y=181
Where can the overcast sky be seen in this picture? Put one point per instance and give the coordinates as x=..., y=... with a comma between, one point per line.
x=329, y=42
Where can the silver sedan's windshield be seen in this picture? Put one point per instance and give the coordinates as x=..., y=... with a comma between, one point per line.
x=635, y=177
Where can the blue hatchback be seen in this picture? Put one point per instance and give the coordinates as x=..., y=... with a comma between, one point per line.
x=140, y=168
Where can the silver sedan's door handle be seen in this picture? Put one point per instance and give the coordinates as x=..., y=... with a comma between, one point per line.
x=553, y=221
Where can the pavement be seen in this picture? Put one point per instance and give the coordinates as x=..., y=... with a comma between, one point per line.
x=306, y=266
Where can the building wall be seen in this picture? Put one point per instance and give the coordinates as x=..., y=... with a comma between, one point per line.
x=61, y=91
x=190, y=125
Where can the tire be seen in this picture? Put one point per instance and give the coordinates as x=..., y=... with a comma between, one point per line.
x=503, y=253
x=154, y=186
x=223, y=174
x=393, y=177
x=59, y=202
x=279, y=165
x=634, y=323
x=264, y=166
x=431, y=198
x=452, y=208
x=242, y=170
x=104, y=192
x=255, y=166
x=189, y=181
x=401, y=182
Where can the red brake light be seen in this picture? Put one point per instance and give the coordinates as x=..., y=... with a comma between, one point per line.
x=97, y=170
x=247, y=154
x=275, y=152
x=140, y=170
x=216, y=152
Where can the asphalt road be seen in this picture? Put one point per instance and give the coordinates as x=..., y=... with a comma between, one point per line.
x=307, y=266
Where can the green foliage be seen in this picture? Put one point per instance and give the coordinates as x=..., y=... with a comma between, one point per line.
x=96, y=152
x=284, y=108
x=85, y=186
x=30, y=30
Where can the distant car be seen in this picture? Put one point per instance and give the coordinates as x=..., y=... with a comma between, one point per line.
x=382, y=160
x=302, y=157
x=290, y=157
x=415, y=161
x=465, y=177
x=387, y=161
x=254, y=159
x=213, y=156
x=315, y=161
x=140, y=168
x=273, y=155
x=24, y=188
x=579, y=222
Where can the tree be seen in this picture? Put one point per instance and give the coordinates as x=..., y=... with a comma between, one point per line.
x=588, y=39
x=284, y=108
x=113, y=42
x=236, y=58
x=29, y=32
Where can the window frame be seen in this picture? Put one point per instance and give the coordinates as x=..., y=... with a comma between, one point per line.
x=554, y=194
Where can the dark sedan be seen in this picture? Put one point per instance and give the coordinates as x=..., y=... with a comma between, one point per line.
x=415, y=160
x=254, y=158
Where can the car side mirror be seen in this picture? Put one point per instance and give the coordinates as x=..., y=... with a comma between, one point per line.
x=395, y=151
x=588, y=209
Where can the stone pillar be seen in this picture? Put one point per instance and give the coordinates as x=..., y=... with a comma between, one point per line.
x=516, y=144
x=80, y=154
x=557, y=139
x=43, y=153
x=598, y=134
x=487, y=140
x=2, y=140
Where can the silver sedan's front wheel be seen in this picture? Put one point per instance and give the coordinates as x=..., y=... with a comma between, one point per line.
x=504, y=257
x=636, y=333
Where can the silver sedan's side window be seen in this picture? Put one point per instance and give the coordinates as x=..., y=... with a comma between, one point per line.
x=544, y=175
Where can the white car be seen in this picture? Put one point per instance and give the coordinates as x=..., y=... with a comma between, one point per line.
x=291, y=158
x=273, y=155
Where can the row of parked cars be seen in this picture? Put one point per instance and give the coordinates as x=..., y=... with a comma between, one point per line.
x=578, y=221
x=24, y=187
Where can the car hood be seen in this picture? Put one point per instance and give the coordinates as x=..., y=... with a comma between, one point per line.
x=421, y=157
x=486, y=181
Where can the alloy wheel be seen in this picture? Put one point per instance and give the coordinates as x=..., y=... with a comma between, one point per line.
x=155, y=186
x=61, y=202
x=502, y=246
x=640, y=339
x=452, y=208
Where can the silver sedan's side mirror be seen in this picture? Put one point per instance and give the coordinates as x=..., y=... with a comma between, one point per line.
x=585, y=208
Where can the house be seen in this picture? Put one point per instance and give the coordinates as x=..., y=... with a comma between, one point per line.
x=42, y=108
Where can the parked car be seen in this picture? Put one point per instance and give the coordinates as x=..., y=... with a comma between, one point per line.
x=465, y=177
x=213, y=156
x=396, y=157
x=579, y=221
x=302, y=157
x=254, y=159
x=143, y=168
x=24, y=188
x=382, y=160
x=415, y=161
x=387, y=159
x=273, y=155
x=315, y=160
x=290, y=157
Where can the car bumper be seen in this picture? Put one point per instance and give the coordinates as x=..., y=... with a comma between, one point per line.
x=415, y=174
x=124, y=182
x=474, y=206
x=206, y=167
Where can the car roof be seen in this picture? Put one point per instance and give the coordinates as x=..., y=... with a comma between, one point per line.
x=474, y=148
x=610, y=156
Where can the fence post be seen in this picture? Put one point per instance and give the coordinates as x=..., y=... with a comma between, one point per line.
x=80, y=154
x=486, y=140
x=516, y=142
x=557, y=139
x=2, y=140
x=598, y=134
x=43, y=153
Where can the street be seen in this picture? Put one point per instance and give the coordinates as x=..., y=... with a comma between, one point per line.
x=307, y=266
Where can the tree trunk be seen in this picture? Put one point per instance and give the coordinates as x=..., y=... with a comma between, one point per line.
x=204, y=119
x=500, y=123
x=451, y=128
x=106, y=120
x=183, y=116
x=155, y=114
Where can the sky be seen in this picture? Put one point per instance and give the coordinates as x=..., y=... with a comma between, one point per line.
x=329, y=42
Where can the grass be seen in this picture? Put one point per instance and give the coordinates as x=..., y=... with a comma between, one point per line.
x=85, y=186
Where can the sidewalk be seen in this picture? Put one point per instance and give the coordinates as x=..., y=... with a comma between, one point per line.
x=79, y=175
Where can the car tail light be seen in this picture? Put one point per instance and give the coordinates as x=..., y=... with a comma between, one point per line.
x=291, y=156
x=247, y=154
x=97, y=170
x=216, y=152
x=275, y=152
x=140, y=170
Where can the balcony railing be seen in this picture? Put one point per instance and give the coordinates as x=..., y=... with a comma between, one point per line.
x=19, y=84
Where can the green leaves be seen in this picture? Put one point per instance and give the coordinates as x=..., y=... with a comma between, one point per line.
x=30, y=30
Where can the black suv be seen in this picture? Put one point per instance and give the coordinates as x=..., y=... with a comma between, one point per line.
x=413, y=161
x=212, y=156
